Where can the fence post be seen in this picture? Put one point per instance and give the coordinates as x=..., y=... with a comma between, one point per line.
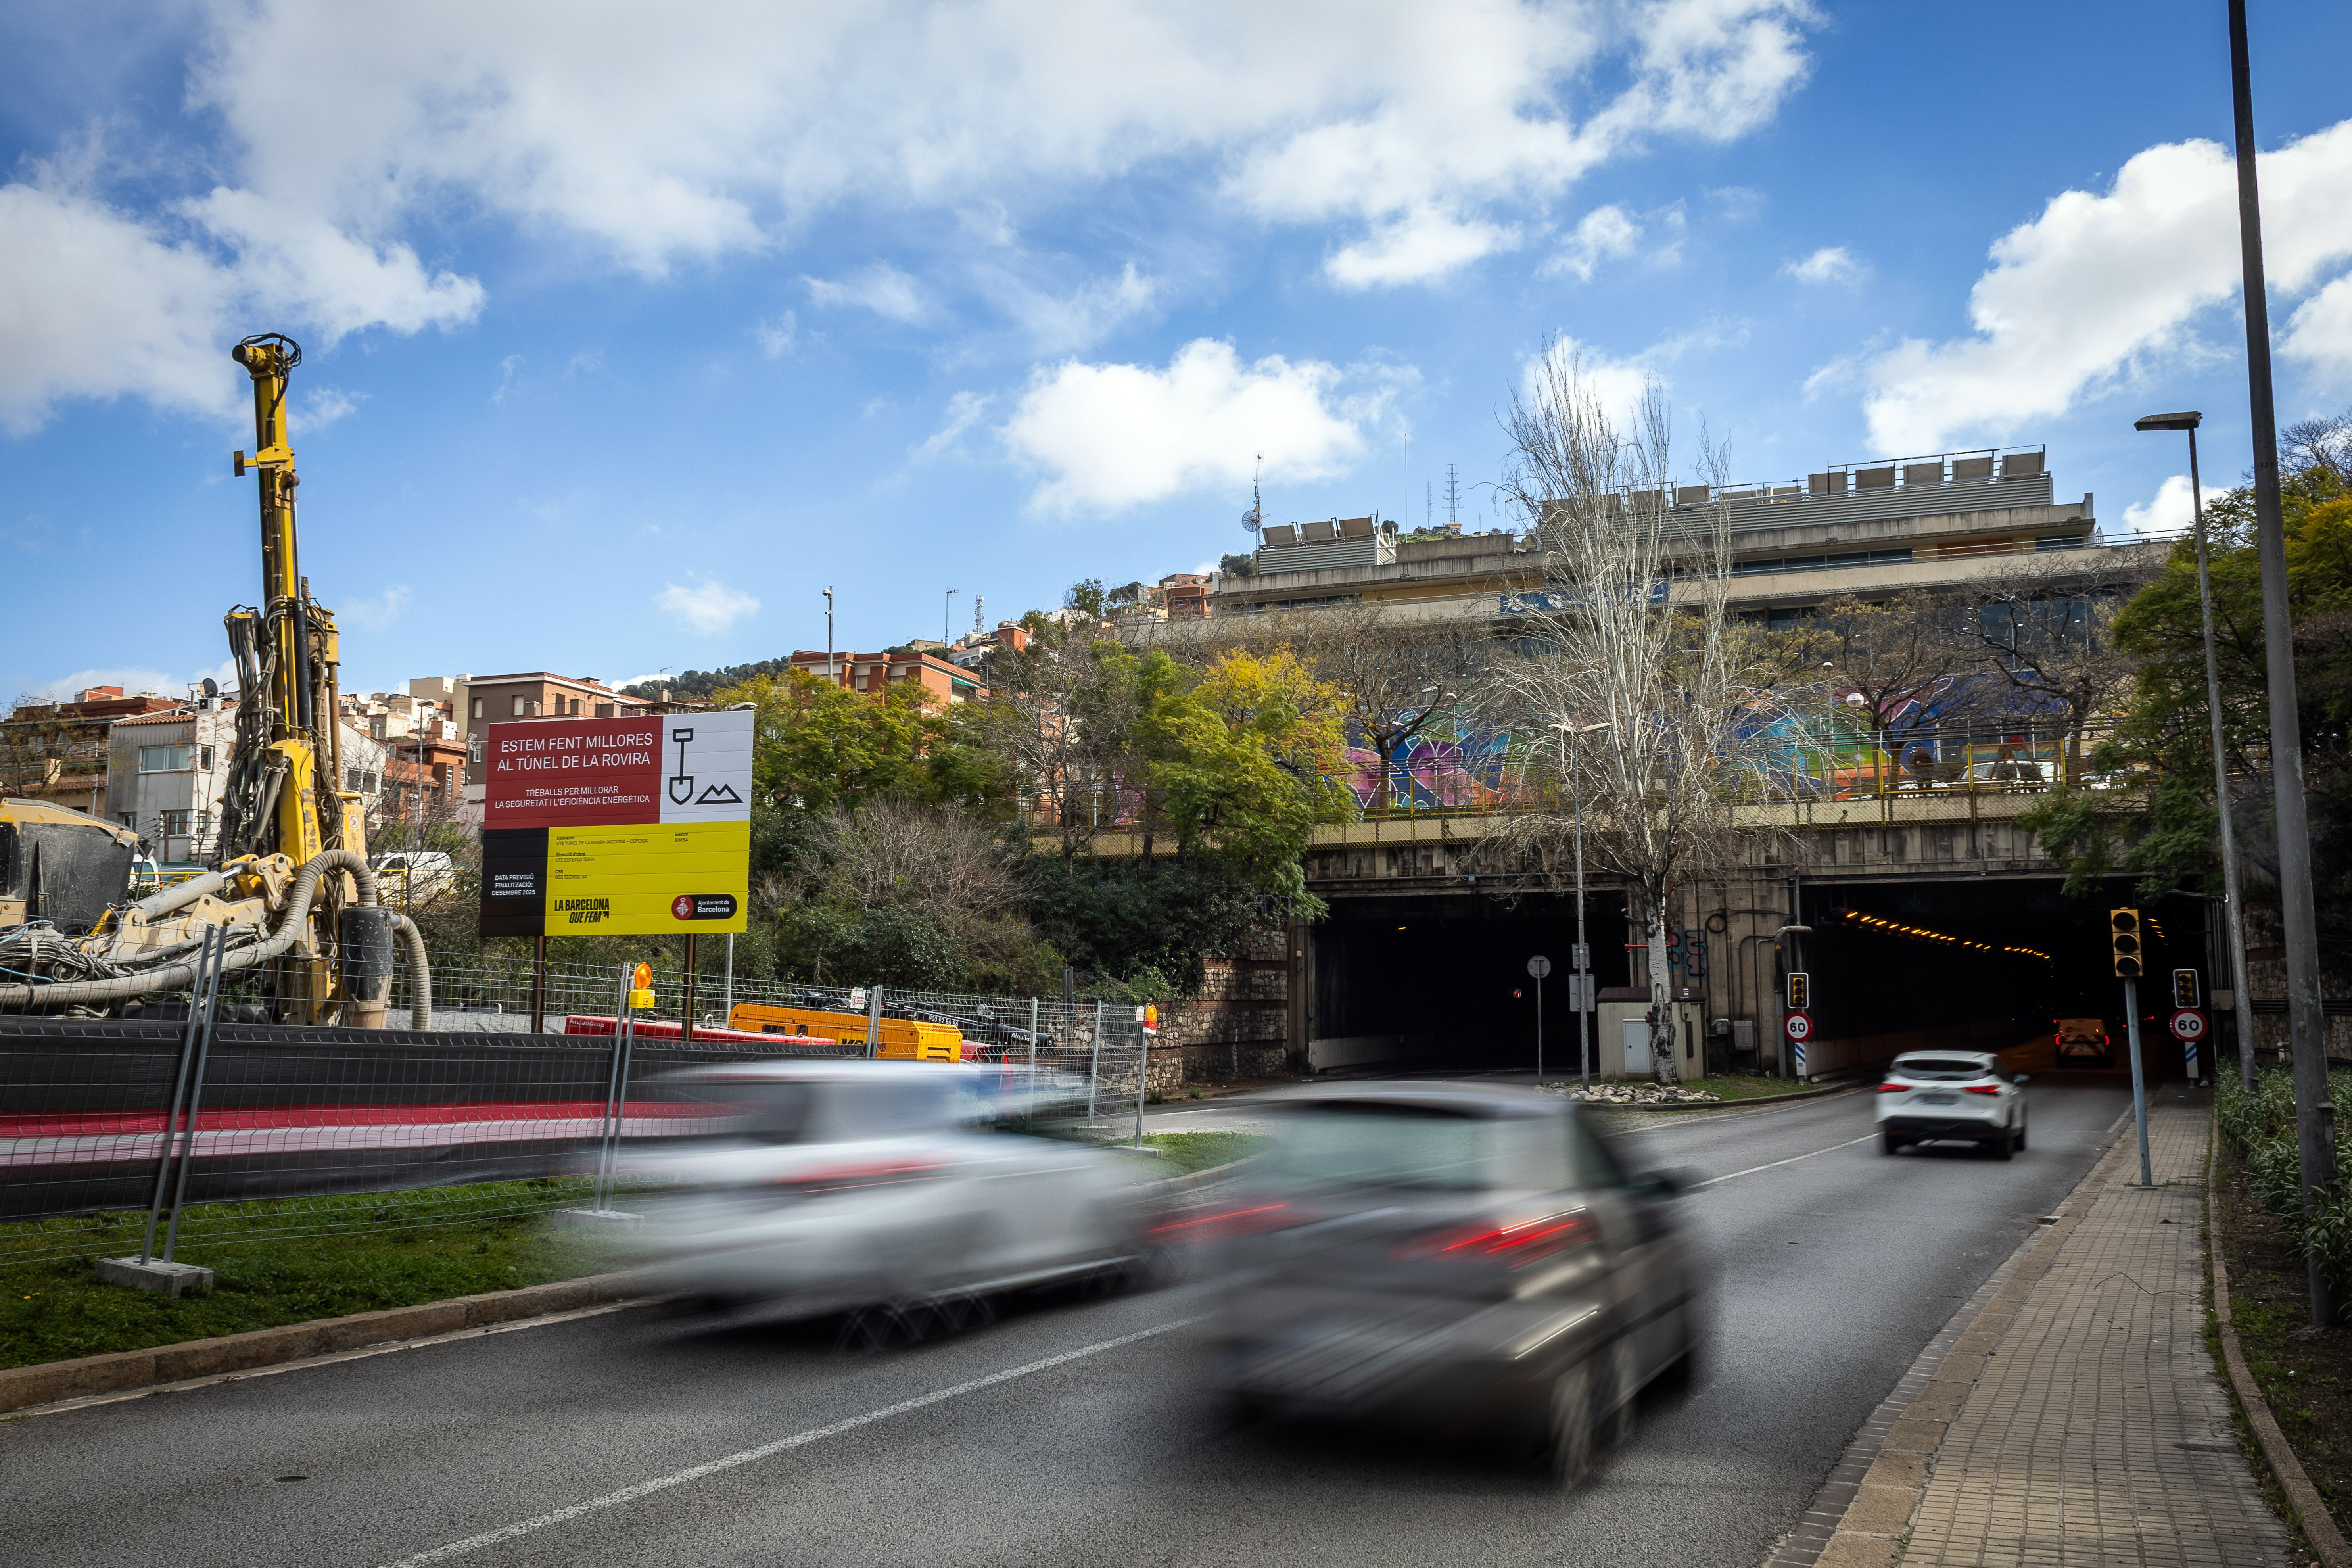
x=727, y=994
x=686, y=1014
x=1094, y=1063
x=196, y=1094
x=179, y=1086
x=872, y=1022
x=1143, y=1077
x=621, y=1017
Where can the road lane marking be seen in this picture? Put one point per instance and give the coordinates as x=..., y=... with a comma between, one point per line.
x=1776, y=1164
x=782, y=1444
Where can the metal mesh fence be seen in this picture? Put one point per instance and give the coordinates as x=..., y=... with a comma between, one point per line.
x=283, y=1133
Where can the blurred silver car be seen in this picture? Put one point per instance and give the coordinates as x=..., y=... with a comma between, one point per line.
x=822, y=1186
x=1469, y=1259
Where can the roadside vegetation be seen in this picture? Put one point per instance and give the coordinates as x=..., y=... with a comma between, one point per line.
x=2305, y=1374
x=55, y=1307
x=1189, y=1152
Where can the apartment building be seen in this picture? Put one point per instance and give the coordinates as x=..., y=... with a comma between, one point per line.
x=873, y=673
x=537, y=694
x=58, y=751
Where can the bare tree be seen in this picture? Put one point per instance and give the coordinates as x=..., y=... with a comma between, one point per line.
x=1900, y=666
x=1062, y=716
x=1401, y=681
x=1634, y=647
x=2048, y=623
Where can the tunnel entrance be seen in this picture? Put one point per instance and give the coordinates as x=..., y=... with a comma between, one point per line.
x=1439, y=983
x=1991, y=966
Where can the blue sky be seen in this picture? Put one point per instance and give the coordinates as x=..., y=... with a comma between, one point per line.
x=622, y=341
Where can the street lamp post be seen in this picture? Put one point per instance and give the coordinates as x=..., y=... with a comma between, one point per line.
x=2244, y=1003
x=830, y=678
x=1580, y=987
x=2306, y=1009
x=947, y=617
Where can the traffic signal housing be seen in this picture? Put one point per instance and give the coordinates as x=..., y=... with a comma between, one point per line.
x=1799, y=990
x=2184, y=990
x=2124, y=938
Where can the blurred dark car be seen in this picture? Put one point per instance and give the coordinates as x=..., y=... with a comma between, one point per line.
x=1470, y=1260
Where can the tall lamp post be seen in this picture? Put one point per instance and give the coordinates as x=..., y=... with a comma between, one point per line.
x=830, y=678
x=1580, y=987
x=947, y=617
x=2306, y=1011
x=2188, y=421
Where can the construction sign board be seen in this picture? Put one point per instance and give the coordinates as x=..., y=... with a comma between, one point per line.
x=617, y=826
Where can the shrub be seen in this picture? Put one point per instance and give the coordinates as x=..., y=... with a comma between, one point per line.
x=2259, y=1128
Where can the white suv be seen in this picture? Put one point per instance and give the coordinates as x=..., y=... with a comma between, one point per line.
x=1951, y=1096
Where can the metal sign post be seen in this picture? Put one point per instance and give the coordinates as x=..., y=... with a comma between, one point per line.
x=1539, y=967
x=2188, y=1027
x=1799, y=1028
x=2139, y=1086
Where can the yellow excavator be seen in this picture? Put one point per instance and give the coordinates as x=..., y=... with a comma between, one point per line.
x=291, y=886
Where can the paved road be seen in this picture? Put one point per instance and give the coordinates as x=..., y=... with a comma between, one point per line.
x=1833, y=1269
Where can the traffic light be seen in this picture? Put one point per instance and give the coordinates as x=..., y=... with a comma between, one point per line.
x=1799, y=990
x=2184, y=990
x=2123, y=936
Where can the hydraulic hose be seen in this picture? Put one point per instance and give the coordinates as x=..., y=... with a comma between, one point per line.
x=180, y=895
x=179, y=976
x=420, y=974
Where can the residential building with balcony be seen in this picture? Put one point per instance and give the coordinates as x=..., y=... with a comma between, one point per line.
x=940, y=680
x=538, y=694
x=58, y=751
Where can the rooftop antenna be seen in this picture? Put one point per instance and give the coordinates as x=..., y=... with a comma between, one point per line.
x=1255, y=519
x=979, y=609
x=1452, y=499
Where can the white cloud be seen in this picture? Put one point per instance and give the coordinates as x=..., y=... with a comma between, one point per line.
x=1417, y=247
x=1604, y=234
x=2167, y=514
x=707, y=605
x=322, y=405
x=375, y=614
x=2098, y=287
x=2320, y=332
x=1829, y=264
x=1618, y=384
x=963, y=412
x=1423, y=138
x=506, y=368
x=881, y=288
x=1068, y=323
x=1110, y=436
x=776, y=338
x=95, y=304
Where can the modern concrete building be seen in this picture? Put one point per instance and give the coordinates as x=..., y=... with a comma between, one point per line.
x=1871, y=529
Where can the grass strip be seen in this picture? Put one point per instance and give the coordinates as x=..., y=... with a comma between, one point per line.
x=1189, y=1152
x=283, y=1263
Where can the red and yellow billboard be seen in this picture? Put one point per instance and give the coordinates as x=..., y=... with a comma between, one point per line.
x=617, y=826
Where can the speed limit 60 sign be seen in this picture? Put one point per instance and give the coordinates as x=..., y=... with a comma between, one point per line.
x=1799, y=1026
x=2188, y=1025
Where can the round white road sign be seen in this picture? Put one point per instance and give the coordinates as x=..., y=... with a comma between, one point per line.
x=1800, y=1026
x=2188, y=1025
x=1539, y=967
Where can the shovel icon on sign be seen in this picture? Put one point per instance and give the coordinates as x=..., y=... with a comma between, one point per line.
x=681, y=782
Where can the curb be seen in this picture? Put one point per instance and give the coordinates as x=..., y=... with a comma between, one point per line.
x=1860, y=1514
x=2319, y=1529
x=1173, y=1186
x=1727, y=1104
x=121, y=1372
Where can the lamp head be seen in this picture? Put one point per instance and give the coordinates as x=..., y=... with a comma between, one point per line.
x=2186, y=420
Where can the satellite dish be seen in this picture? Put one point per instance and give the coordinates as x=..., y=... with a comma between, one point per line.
x=1251, y=521
x=211, y=687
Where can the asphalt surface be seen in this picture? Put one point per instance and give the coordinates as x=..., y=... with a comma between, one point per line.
x=637, y=1437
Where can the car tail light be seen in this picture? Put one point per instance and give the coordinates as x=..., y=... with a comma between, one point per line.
x=1516, y=1246
x=1983, y=1088
x=1223, y=1222
x=1892, y=1087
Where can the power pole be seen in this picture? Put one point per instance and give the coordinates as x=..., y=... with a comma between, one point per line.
x=2306, y=1013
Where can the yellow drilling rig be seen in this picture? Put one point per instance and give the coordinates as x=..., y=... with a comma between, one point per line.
x=290, y=888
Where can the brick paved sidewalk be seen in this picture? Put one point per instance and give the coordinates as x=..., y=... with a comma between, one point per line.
x=2079, y=1420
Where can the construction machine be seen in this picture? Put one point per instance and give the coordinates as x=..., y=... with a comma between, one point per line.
x=290, y=884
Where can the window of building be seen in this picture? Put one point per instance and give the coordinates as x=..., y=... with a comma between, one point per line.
x=128, y=819
x=205, y=758
x=473, y=747
x=603, y=710
x=175, y=823
x=164, y=759
x=478, y=707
